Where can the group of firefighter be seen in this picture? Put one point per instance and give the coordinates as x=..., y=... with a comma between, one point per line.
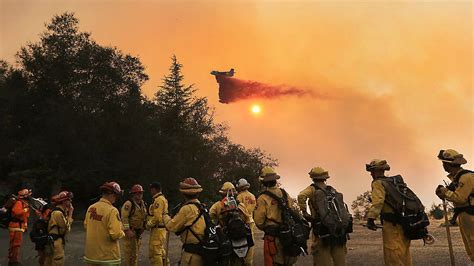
x=105, y=225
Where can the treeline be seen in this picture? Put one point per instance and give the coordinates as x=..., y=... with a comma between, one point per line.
x=72, y=115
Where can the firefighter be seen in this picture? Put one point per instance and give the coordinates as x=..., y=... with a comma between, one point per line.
x=104, y=228
x=18, y=225
x=40, y=247
x=188, y=223
x=396, y=246
x=460, y=192
x=250, y=202
x=267, y=218
x=58, y=226
x=323, y=254
x=158, y=234
x=133, y=214
x=220, y=214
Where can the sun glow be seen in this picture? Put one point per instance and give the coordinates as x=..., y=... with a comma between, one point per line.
x=256, y=109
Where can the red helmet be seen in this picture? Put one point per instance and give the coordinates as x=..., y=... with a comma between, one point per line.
x=24, y=193
x=190, y=186
x=136, y=189
x=113, y=187
x=62, y=196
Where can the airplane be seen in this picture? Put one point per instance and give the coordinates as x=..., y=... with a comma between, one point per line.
x=223, y=73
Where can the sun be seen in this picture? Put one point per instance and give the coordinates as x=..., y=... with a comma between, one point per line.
x=256, y=109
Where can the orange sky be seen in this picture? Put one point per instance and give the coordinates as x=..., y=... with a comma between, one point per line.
x=399, y=75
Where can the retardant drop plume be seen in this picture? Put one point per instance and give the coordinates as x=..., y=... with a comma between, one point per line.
x=232, y=90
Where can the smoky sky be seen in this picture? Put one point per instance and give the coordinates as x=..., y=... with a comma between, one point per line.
x=233, y=90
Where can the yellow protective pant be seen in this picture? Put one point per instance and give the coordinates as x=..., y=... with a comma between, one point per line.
x=131, y=249
x=466, y=226
x=157, y=252
x=249, y=257
x=327, y=255
x=396, y=247
x=55, y=253
x=190, y=259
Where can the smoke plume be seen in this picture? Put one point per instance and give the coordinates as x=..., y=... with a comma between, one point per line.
x=232, y=90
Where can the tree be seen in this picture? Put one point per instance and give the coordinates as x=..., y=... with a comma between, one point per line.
x=79, y=113
x=72, y=116
x=195, y=145
x=360, y=206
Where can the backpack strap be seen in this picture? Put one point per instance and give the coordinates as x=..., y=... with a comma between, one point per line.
x=461, y=173
x=56, y=236
x=282, y=202
x=325, y=190
x=132, y=208
x=201, y=213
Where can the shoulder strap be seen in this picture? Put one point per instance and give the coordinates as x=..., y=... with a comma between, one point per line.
x=201, y=213
x=281, y=201
x=51, y=213
x=461, y=173
x=132, y=208
x=56, y=209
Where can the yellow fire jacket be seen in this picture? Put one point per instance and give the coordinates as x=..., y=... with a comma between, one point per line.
x=135, y=220
x=460, y=197
x=103, y=232
x=249, y=201
x=307, y=195
x=58, y=223
x=267, y=212
x=185, y=217
x=156, y=211
x=378, y=200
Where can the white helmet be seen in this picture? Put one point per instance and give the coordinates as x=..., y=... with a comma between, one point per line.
x=243, y=183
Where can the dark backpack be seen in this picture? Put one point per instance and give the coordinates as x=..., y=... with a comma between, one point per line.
x=40, y=234
x=235, y=227
x=215, y=247
x=294, y=231
x=6, y=212
x=409, y=211
x=334, y=222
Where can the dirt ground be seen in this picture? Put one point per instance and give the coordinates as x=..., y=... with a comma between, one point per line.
x=364, y=248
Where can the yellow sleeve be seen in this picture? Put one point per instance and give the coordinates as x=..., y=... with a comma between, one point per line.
x=125, y=211
x=378, y=199
x=58, y=223
x=465, y=188
x=245, y=213
x=115, y=225
x=214, y=212
x=157, y=210
x=248, y=200
x=260, y=213
x=178, y=222
x=303, y=198
x=240, y=198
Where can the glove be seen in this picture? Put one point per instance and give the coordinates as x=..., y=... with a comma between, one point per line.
x=451, y=186
x=440, y=191
x=371, y=224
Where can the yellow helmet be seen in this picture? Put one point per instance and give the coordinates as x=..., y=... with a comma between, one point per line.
x=318, y=173
x=377, y=164
x=268, y=174
x=226, y=187
x=451, y=156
